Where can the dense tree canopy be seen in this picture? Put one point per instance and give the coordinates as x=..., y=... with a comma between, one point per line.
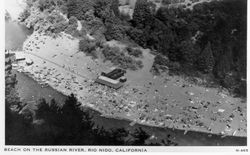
x=209, y=37
x=78, y=8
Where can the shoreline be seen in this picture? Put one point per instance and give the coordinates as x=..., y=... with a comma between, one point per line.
x=190, y=139
x=96, y=110
x=91, y=95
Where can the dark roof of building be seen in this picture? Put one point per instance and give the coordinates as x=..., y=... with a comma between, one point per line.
x=116, y=73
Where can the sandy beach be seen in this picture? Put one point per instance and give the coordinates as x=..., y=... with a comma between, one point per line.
x=164, y=101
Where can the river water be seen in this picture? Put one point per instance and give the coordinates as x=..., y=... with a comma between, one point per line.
x=15, y=35
x=29, y=89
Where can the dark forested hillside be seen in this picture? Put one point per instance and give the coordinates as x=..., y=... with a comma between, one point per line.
x=211, y=37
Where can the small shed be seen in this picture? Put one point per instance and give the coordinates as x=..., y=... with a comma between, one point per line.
x=29, y=62
x=109, y=82
x=19, y=56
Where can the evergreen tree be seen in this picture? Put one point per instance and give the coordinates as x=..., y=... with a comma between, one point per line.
x=142, y=14
x=115, y=31
x=73, y=21
x=115, y=7
x=119, y=136
x=137, y=36
x=206, y=60
x=78, y=8
x=139, y=137
x=103, y=10
x=189, y=52
x=17, y=126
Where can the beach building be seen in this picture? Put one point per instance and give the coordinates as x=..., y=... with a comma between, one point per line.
x=19, y=56
x=109, y=82
x=29, y=62
x=114, y=78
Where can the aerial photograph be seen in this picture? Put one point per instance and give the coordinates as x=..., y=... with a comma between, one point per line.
x=125, y=73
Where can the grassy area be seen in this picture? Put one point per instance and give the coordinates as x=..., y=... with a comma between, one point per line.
x=134, y=52
x=119, y=58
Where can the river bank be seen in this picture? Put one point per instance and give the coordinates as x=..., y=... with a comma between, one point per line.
x=14, y=42
x=163, y=101
x=189, y=139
